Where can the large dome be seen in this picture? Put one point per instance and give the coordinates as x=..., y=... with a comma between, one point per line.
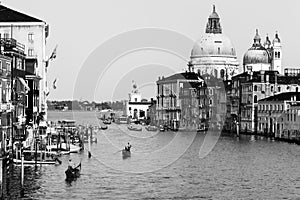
x=212, y=44
x=256, y=56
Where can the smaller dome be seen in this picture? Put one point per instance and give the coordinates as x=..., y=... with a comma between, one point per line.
x=256, y=56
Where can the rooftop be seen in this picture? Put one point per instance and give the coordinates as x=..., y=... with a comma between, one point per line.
x=10, y=15
x=286, y=96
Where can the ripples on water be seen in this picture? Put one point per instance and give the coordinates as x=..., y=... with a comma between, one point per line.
x=237, y=168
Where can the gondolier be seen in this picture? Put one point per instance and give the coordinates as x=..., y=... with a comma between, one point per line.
x=128, y=147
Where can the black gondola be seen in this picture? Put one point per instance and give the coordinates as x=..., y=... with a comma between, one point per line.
x=73, y=173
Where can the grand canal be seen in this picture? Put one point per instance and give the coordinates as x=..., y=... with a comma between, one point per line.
x=167, y=166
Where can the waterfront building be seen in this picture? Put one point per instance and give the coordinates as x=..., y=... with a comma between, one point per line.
x=190, y=101
x=136, y=107
x=32, y=97
x=279, y=115
x=176, y=99
x=32, y=33
x=250, y=87
x=264, y=57
x=6, y=103
x=214, y=52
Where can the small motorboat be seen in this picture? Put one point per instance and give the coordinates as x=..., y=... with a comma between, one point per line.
x=107, y=121
x=126, y=153
x=161, y=128
x=151, y=128
x=134, y=128
x=73, y=173
x=104, y=127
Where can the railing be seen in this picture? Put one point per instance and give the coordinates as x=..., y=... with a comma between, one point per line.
x=12, y=43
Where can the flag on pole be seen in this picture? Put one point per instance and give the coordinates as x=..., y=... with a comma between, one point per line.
x=53, y=55
x=54, y=84
x=47, y=91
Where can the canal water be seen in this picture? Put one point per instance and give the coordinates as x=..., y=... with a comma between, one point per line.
x=167, y=165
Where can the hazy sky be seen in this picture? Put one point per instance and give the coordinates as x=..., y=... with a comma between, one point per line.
x=80, y=27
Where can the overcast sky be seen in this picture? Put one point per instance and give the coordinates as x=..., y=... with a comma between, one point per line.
x=80, y=27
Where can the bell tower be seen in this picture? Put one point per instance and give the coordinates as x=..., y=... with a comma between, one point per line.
x=277, y=55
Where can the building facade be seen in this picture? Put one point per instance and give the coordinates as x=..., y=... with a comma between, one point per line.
x=32, y=33
x=250, y=87
x=136, y=107
x=279, y=115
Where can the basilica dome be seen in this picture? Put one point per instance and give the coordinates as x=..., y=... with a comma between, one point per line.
x=212, y=44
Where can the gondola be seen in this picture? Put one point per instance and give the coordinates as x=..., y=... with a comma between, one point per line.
x=126, y=153
x=73, y=173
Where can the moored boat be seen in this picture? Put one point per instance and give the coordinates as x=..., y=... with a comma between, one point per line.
x=104, y=127
x=33, y=162
x=64, y=148
x=134, y=128
x=107, y=121
x=151, y=128
x=161, y=128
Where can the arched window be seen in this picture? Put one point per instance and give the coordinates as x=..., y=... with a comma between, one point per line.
x=219, y=50
x=279, y=89
x=222, y=73
x=255, y=87
x=255, y=99
x=272, y=88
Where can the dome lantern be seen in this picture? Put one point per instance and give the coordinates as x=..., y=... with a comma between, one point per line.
x=213, y=25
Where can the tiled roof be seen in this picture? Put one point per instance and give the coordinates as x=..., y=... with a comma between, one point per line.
x=283, y=97
x=10, y=15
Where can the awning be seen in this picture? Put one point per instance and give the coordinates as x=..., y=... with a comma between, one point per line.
x=24, y=83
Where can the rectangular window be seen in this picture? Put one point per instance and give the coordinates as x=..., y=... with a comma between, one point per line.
x=30, y=52
x=30, y=37
x=1, y=65
x=8, y=66
x=6, y=35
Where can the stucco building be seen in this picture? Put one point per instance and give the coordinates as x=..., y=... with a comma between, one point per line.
x=32, y=33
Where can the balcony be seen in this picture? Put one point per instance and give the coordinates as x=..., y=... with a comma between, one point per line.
x=12, y=44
